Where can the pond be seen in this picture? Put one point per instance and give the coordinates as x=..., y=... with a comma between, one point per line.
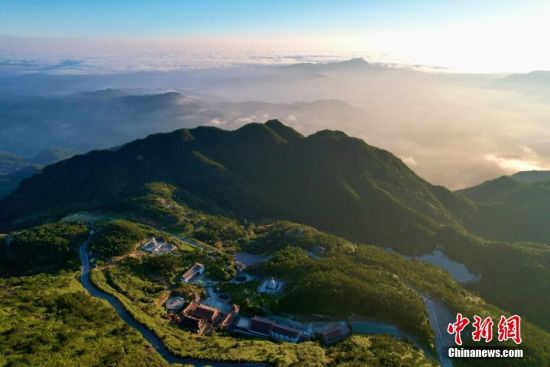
x=457, y=270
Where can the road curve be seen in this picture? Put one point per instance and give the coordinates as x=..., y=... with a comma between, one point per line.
x=439, y=317
x=151, y=338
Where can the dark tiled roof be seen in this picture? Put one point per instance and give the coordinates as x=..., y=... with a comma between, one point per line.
x=206, y=313
x=190, y=308
x=192, y=323
x=261, y=325
x=335, y=334
x=203, y=312
x=332, y=334
x=286, y=331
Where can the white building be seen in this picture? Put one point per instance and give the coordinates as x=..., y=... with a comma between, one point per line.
x=158, y=247
x=192, y=273
x=271, y=286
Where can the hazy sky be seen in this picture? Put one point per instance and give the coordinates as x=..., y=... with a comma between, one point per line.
x=466, y=35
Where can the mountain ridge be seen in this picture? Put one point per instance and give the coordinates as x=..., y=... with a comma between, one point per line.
x=269, y=168
x=513, y=208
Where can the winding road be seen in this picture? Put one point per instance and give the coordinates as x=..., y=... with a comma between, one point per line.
x=151, y=338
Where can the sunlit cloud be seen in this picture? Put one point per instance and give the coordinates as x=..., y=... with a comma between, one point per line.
x=217, y=122
x=409, y=160
x=491, y=44
x=528, y=161
x=291, y=118
x=247, y=119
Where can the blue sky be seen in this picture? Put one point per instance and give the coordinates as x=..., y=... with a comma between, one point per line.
x=468, y=35
x=173, y=18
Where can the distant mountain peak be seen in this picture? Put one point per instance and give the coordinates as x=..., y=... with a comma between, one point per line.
x=274, y=123
x=357, y=61
x=284, y=131
x=354, y=64
x=332, y=133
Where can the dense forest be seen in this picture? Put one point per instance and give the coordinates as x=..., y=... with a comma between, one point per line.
x=42, y=249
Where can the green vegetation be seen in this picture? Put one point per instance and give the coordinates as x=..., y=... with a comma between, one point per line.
x=376, y=350
x=250, y=301
x=47, y=320
x=370, y=281
x=511, y=209
x=216, y=229
x=42, y=249
x=218, y=266
x=164, y=206
x=272, y=237
x=116, y=238
x=142, y=292
x=328, y=179
x=166, y=266
x=338, y=286
x=514, y=276
x=119, y=237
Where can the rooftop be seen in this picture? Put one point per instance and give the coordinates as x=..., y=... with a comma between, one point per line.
x=203, y=312
x=175, y=303
x=286, y=331
x=261, y=325
x=271, y=286
x=334, y=333
x=192, y=323
x=192, y=272
x=158, y=247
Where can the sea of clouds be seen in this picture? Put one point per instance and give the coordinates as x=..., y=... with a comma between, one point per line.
x=452, y=129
